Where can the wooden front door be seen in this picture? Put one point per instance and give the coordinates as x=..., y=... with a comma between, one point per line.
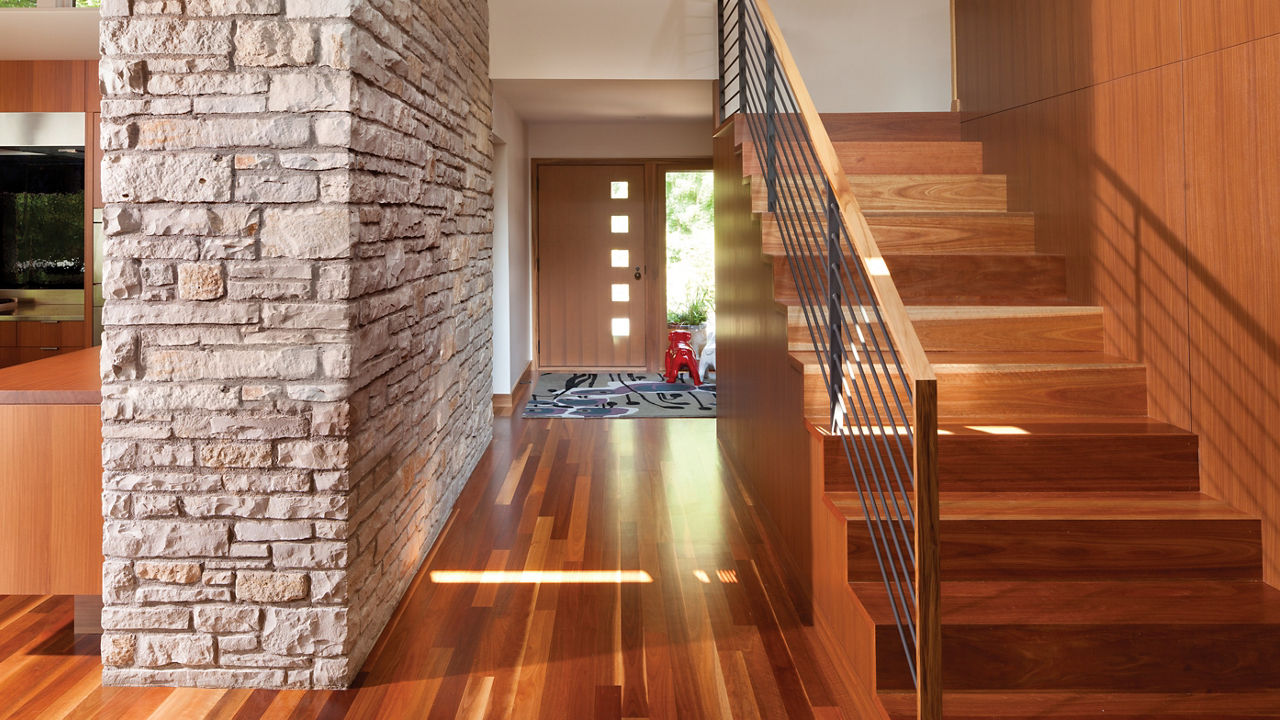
x=592, y=278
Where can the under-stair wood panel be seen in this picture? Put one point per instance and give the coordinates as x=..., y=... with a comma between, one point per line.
x=908, y=193
x=755, y=378
x=957, y=232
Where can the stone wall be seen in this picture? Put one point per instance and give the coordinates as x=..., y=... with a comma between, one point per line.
x=297, y=320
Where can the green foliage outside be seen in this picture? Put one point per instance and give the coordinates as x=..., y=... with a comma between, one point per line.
x=48, y=251
x=690, y=248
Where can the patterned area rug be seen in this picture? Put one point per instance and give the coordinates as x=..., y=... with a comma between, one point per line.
x=618, y=395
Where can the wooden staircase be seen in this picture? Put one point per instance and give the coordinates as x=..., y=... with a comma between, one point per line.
x=1084, y=573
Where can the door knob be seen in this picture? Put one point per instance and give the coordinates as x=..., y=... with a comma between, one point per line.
x=637, y=273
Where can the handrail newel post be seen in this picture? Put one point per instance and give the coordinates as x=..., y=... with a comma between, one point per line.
x=928, y=560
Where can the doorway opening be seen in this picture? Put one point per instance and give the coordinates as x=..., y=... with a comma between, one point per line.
x=690, y=259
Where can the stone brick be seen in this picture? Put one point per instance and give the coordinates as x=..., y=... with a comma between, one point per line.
x=180, y=649
x=312, y=555
x=305, y=631
x=269, y=530
x=122, y=77
x=238, y=455
x=118, y=649
x=309, y=91
x=165, y=36
x=118, y=581
x=274, y=43
x=226, y=618
x=277, y=188
x=317, y=455
x=160, y=177
x=163, y=538
x=271, y=587
x=146, y=618
x=307, y=233
x=170, y=572
x=200, y=281
x=234, y=7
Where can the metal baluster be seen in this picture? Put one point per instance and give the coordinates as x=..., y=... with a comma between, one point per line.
x=720, y=56
x=835, y=300
x=771, y=119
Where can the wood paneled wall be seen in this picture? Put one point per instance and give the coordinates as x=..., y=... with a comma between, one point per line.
x=49, y=86
x=1145, y=135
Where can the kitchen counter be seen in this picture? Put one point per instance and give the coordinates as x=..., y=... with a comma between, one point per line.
x=51, y=476
x=44, y=312
x=70, y=379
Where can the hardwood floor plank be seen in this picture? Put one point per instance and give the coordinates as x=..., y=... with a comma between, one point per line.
x=549, y=496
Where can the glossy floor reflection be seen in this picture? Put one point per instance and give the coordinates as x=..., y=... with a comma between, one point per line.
x=592, y=569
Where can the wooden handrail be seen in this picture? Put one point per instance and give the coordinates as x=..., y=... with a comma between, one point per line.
x=914, y=363
x=911, y=353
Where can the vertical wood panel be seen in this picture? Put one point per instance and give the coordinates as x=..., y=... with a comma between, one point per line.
x=1155, y=176
x=1233, y=117
x=46, y=85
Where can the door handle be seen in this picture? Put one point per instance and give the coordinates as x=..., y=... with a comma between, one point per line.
x=637, y=273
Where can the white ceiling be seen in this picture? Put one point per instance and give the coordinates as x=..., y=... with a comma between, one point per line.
x=607, y=100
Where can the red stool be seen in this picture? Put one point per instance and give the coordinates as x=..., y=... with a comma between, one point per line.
x=680, y=356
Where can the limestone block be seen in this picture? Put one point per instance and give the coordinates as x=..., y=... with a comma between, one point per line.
x=122, y=77
x=164, y=538
x=313, y=555
x=164, y=36
x=274, y=43
x=181, y=649
x=118, y=649
x=146, y=618
x=307, y=233
x=305, y=631
x=271, y=587
x=309, y=91
x=168, y=572
x=226, y=618
x=160, y=177
x=201, y=281
x=264, y=188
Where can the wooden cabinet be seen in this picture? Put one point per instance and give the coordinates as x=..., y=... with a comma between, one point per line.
x=24, y=341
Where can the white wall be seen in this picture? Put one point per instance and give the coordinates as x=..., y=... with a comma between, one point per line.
x=512, y=268
x=602, y=39
x=48, y=34
x=871, y=55
x=627, y=139
x=855, y=55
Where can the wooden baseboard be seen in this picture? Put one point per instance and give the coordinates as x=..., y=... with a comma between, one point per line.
x=504, y=405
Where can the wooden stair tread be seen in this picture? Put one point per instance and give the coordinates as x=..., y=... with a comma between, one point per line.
x=905, y=193
x=1087, y=705
x=1064, y=506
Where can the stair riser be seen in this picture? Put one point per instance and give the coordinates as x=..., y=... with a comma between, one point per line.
x=894, y=158
x=1028, y=463
x=1084, y=550
x=1014, y=395
x=902, y=193
x=932, y=234
x=949, y=280
x=1153, y=658
x=1050, y=333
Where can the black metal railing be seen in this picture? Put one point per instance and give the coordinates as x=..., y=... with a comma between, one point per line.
x=842, y=287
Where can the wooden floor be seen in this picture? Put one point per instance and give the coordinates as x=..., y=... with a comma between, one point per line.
x=710, y=633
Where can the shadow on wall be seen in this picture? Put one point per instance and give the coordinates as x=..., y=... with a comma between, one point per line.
x=1141, y=161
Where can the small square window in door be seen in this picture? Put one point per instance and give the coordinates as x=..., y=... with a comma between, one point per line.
x=619, y=190
x=620, y=224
